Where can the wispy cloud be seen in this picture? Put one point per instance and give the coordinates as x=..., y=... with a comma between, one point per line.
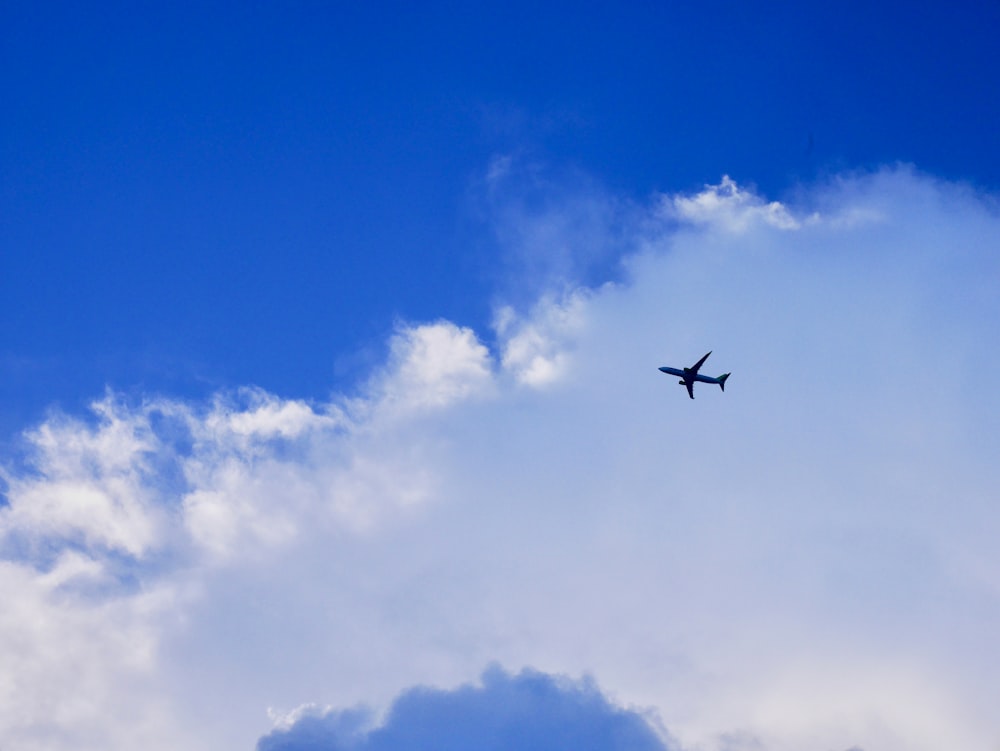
x=806, y=560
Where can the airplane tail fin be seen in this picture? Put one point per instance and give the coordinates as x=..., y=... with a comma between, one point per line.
x=722, y=381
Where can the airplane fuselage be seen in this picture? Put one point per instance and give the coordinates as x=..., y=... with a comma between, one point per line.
x=687, y=375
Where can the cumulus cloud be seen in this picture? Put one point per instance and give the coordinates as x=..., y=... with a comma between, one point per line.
x=528, y=710
x=807, y=560
x=433, y=366
x=728, y=207
x=109, y=516
x=89, y=484
x=535, y=348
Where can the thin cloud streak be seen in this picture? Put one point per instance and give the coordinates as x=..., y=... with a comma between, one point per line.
x=804, y=560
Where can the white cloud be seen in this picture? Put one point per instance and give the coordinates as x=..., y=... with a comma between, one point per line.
x=535, y=348
x=227, y=484
x=79, y=671
x=808, y=559
x=731, y=208
x=264, y=416
x=89, y=485
x=432, y=366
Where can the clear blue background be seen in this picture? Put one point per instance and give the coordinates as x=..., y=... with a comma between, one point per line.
x=206, y=195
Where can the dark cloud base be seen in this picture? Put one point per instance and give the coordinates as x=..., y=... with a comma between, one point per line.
x=506, y=712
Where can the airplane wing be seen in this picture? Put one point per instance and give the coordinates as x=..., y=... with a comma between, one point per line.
x=690, y=385
x=694, y=368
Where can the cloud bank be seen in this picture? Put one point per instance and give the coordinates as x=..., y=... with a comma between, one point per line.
x=807, y=560
x=529, y=710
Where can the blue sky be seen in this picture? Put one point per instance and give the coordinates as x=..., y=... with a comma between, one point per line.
x=328, y=374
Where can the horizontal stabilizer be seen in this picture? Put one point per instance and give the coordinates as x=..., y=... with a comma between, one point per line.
x=722, y=380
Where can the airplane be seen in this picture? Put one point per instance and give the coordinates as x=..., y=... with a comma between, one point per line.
x=690, y=375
